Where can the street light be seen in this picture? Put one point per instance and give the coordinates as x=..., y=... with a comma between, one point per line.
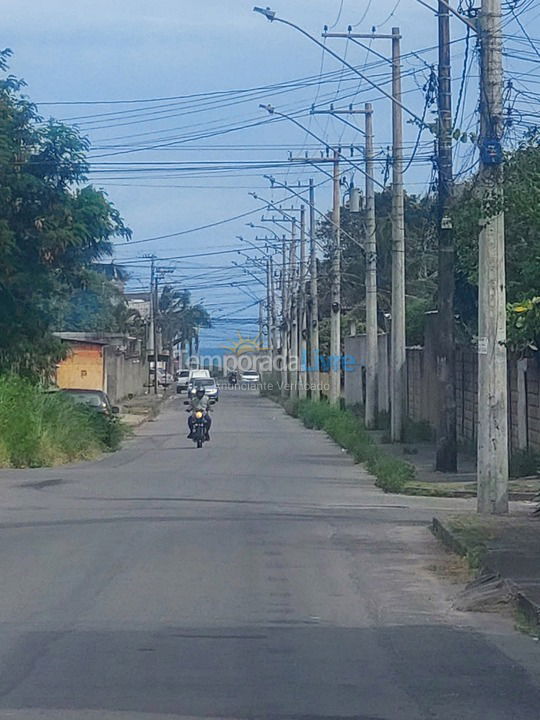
x=271, y=15
x=268, y=14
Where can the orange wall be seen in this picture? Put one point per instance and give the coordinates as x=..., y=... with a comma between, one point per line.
x=83, y=368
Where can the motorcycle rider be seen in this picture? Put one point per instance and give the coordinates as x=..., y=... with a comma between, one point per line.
x=200, y=401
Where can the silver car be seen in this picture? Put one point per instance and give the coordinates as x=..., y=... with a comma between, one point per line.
x=210, y=387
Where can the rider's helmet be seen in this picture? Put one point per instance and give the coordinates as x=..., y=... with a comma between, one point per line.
x=200, y=391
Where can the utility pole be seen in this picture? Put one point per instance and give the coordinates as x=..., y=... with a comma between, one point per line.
x=261, y=323
x=492, y=469
x=274, y=338
x=398, y=353
x=335, y=309
x=398, y=360
x=284, y=319
x=154, y=328
x=315, y=380
x=293, y=315
x=268, y=310
x=152, y=333
x=302, y=332
x=372, y=332
x=446, y=454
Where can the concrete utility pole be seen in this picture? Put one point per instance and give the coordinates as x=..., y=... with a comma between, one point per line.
x=398, y=354
x=335, y=309
x=284, y=320
x=269, y=336
x=293, y=315
x=155, y=303
x=273, y=327
x=311, y=304
x=152, y=334
x=370, y=406
x=315, y=379
x=446, y=454
x=302, y=333
x=492, y=372
x=398, y=360
x=372, y=331
x=261, y=322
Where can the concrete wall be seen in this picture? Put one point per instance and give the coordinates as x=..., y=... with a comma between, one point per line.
x=124, y=375
x=423, y=392
x=523, y=395
x=354, y=375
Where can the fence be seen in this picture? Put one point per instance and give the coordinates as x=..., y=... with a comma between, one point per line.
x=423, y=390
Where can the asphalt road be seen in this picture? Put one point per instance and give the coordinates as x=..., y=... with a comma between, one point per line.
x=260, y=577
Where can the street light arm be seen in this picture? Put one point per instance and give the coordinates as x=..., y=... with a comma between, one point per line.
x=270, y=109
x=342, y=61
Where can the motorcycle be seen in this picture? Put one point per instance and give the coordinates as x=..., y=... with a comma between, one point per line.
x=233, y=379
x=199, y=428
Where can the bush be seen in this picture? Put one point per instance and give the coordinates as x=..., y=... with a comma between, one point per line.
x=42, y=429
x=347, y=430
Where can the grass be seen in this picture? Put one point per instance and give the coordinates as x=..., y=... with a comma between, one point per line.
x=343, y=426
x=474, y=533
x=43, y=429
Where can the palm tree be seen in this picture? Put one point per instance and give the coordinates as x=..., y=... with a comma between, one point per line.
x=179, y=321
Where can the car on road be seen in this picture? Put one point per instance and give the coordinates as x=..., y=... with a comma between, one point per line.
x=198, y=373
x=209, y=385
x=182, y=381
x=96, y=399
x=250, y=376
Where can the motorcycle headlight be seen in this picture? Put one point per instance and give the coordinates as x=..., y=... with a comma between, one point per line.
x=198, y=415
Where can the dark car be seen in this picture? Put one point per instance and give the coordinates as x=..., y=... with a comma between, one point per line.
x=96, y=399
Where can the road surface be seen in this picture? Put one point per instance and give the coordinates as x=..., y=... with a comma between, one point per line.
x=260, y=577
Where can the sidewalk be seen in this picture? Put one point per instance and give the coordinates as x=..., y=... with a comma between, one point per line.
x=502, y=548
x=461, y=484
x=142, y=408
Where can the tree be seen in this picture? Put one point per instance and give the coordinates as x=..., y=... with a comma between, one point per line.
x=52, y=227
x=179, y=320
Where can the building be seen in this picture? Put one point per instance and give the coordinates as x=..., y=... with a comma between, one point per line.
x=103, y=361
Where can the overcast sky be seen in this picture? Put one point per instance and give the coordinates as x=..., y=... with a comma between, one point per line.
x=98, y=51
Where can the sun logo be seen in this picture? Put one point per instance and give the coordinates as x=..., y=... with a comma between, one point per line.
x=244, y=345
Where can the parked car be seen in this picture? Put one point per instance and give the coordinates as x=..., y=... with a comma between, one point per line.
x=250, y=376
x=96, y=399
x=209, y=384
x=182, y=380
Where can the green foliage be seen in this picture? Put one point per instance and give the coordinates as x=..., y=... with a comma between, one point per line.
x=179, y=320
x=39, y=428
x=52, y=227
x=421, y=263
x=343, y=426
x=523, y=326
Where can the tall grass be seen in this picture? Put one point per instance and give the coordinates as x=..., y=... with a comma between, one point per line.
x=347, y=430
x=42, y=429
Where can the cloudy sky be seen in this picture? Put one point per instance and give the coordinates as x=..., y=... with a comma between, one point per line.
x=169, y=92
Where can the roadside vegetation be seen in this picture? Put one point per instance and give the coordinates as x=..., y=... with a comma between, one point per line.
x=346, y=428
x=39, y=429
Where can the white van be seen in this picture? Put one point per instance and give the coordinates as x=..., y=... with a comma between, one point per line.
x=198, y=374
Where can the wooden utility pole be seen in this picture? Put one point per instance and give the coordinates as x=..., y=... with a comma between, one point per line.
x=372, y=334
x=314, y=359
x=492, y=371
x=446, y=453
x=335, y=309
x=302, y=332
x=398, y=358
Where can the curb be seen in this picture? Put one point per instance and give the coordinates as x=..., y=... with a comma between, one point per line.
x=528, y=607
